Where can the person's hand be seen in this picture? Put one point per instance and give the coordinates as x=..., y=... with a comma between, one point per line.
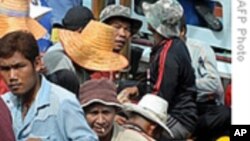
x=120, y=120
x=126, y=94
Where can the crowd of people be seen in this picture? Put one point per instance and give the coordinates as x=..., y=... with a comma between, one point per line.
x=70, y=90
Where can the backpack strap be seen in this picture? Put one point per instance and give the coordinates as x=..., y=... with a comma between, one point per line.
x=162, y=59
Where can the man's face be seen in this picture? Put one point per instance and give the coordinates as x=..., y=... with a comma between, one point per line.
x=123, y=33
x=100, y=118
x=154, y=34
x=19, y=74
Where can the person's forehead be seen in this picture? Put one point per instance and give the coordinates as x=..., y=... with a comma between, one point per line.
x=119, y=20
x=16, y=58
x=99, y=106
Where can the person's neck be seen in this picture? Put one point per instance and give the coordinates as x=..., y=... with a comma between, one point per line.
x=108, y=137
x=29, y=97
x=159, y=39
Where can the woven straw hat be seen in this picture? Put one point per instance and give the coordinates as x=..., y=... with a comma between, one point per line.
x=93, y=48
x=14, y=15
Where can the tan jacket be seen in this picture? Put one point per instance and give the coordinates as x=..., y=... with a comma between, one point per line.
x=122, y=134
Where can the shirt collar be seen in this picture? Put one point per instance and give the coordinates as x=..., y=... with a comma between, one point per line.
x=42, y=97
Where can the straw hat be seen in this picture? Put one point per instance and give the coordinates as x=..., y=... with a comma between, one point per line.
x=14, y=15
x=93, y=48
x=153, y=108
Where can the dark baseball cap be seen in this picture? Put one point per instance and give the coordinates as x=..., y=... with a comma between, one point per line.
x=77, y=17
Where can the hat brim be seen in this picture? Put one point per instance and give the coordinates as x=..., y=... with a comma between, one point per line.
x=129, y=107
x=82, y=53
x=166, y=30
x=102, y=102
x=10, y=24
x=135, y=23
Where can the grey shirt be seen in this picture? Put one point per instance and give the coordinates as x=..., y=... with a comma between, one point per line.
x=56, y=59
x=207, y=76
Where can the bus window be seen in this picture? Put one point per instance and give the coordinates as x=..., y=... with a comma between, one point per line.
x=109, y=2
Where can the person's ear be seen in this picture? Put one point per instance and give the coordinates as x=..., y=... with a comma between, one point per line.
x=183, y=34
x=38, y=64
x=150, y=130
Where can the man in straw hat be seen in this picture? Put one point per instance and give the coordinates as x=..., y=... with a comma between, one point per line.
x=171, y=73
x=98, y=99
x=119, y=17
x=91, y=51
x=39, y=108
x=56, y=58
x=148, y=116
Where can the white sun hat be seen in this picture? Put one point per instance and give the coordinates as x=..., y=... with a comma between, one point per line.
x=153, y=108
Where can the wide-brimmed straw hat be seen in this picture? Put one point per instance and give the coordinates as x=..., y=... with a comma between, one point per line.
x=14, y=15
x=93, y=48
x=116, y=11
x=101, y=91
x=164, y=16
x=153, y=108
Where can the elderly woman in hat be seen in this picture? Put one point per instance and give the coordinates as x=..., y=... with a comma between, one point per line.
x=98, y=99
x=171, y=73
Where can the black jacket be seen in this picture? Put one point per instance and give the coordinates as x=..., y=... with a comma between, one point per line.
x=178, y=83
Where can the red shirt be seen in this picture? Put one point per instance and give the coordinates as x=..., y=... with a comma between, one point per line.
x=98, y=75
x=228, y=95
x=6, y=131
x=3, y=86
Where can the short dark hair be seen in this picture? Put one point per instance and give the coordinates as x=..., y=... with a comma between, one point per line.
x=19, y=41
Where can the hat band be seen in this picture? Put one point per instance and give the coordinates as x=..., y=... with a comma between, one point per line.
x=13, y=13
